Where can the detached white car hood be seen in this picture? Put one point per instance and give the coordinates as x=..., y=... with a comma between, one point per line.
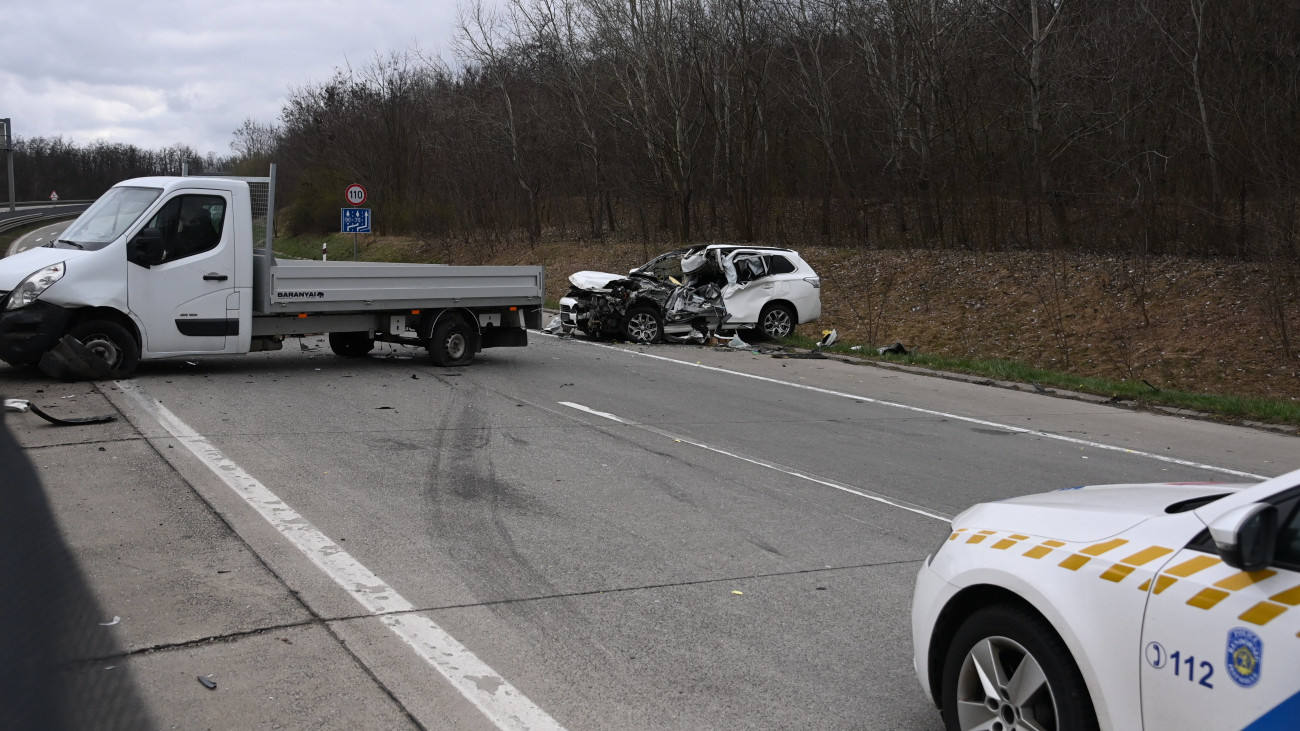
x=1083, y=514
x=594, y=281
x=16, y=268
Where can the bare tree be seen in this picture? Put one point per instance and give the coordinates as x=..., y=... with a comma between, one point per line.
x=492, y=42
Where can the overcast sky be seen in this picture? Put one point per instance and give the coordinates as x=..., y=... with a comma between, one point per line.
x=154, y=73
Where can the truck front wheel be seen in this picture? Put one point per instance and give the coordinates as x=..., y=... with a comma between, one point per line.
x=112, y=342
x=352, y=344
x=452, y=343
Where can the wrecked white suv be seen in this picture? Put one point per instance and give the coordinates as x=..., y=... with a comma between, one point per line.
x=688, y=294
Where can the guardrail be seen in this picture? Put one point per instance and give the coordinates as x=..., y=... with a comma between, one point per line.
x=8, y=223
x=47, y=204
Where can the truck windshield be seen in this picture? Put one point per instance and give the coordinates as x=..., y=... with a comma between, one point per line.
x=107, y=218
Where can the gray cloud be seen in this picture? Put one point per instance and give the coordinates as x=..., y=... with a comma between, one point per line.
x=154, y=73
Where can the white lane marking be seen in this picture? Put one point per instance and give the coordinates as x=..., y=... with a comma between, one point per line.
x=944, y=414
x=500, y=701
x=763, y=463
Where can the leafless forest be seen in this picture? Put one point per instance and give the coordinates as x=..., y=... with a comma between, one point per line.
x=1135, y=126
x=1158, y=126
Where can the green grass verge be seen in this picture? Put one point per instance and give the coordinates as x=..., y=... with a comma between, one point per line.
x=1233, y=408
x=368, y=248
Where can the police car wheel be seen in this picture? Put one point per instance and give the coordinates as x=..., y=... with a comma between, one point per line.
x=1007, y=670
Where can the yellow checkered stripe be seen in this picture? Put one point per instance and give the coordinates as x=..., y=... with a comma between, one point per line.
x=1073, y=560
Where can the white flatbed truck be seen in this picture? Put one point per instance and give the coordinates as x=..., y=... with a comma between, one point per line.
x=166, y=267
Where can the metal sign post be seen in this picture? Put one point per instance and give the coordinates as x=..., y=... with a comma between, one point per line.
x=359, y=220
x=354, y=221
x=7, y=140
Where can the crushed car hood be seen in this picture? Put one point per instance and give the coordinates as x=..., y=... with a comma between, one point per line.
x=594, y=281
x=1082, y=514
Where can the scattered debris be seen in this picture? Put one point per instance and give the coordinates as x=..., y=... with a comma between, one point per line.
x=856, y=348
x=810, y=355
x=553, y=325
x=736, y=342
x=895, y=349
x=828, y=338
x=22, y=406
x=208, y=682
x=116, y=619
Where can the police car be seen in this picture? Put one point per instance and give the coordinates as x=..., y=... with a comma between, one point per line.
x=1166, y=606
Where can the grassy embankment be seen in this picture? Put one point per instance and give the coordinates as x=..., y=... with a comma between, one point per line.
x=1226, y=407
x=1233, y=408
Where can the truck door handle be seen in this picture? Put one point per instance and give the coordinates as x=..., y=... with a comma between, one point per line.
x=214, y=277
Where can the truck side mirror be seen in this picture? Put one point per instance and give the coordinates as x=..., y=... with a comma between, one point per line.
x=1246, y=536
x=146, y=248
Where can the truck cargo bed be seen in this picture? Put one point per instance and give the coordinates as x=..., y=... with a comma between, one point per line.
x=330, y=286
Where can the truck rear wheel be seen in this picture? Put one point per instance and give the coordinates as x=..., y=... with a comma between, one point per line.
x=452, y=343
x=112, y=342
x=351, y=345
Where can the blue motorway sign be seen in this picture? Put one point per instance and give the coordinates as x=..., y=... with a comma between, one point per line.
x=355, y=220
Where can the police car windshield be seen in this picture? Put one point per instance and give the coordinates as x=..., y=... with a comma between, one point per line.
x=107, y=218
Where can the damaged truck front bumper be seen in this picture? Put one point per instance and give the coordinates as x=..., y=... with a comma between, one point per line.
x=29, y=332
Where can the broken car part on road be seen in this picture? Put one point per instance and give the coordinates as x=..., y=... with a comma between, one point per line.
x=689, y=294
x=22, y=406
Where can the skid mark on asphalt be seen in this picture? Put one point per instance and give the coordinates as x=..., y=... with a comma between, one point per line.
x=943, y=414
x=763, y=463
x=500, y=701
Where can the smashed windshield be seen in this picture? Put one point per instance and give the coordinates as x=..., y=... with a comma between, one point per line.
x=107, y=218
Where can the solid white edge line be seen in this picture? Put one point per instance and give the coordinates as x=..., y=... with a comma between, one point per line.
x=761, y=463
x=492, y=694
x=943, y=414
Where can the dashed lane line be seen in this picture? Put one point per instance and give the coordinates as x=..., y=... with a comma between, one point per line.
x=762, y=463
x=945, y=415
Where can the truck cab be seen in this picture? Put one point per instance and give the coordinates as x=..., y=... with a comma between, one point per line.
x=166, y=261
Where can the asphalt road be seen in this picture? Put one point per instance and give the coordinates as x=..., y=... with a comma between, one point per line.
x=619, y=537
x=38, y=237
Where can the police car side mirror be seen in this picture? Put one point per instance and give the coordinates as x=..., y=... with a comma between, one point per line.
x=146, y=248
x=1246, y=536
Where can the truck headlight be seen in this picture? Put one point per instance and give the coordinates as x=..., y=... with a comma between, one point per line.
x=32, y=287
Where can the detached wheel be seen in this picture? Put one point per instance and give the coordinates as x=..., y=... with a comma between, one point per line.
x=351, y=345
x=776, y=321
x=1007, y=669
x=642, y=325
x=112, y=342
x=452, y=343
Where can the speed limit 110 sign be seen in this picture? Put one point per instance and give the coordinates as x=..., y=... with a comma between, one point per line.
x=356, y=194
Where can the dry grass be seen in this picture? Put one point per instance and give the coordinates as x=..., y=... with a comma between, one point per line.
x=1176, y=323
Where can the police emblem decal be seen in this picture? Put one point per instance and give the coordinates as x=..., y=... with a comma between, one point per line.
x=1244, y=656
